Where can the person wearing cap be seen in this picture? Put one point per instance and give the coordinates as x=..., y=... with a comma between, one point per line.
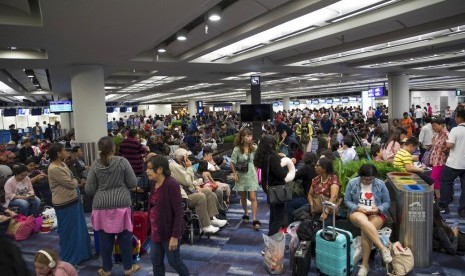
x=203, y=200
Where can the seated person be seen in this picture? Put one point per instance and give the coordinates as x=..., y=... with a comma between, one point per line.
x=445, y=238
x=20, y=193
x=81, y=168
x=348, y=152
x=203, y=200
x=306, y=174
x=11, y=146
x=39, y=181
x=325, y=187
x=213, y=168
x=404, y=160
x=208, y=179
x=367, y=200
x=26, y=151
x=6, y=156
x=376, y=153
x=47, y=262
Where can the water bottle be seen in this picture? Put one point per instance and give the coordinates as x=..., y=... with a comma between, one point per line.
x=378, y=260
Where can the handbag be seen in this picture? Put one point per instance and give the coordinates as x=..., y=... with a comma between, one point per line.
x=20, y=227
x=243, y=166
x=402, y=260
x=426, y=158
x=280, y=193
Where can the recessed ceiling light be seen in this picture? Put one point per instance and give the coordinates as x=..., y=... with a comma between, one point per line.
x=161, y=50
x=214, y=14
x=181, y=35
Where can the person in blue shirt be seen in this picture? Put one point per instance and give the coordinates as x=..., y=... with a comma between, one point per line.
x=367, y=200
x=326, y=124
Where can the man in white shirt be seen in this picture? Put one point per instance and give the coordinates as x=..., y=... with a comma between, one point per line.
x=348, y=152
x=419, y=115
x=426, y=136
x=455, y=166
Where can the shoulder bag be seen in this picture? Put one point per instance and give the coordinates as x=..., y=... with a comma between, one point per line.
x=243, y=166
x=402, y=260
x=279, y=193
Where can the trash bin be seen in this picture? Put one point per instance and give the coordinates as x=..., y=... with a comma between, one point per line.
x=412, y=211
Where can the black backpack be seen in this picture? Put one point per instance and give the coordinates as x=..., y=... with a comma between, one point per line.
x=307, y=229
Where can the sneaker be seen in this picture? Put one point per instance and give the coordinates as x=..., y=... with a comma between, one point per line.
x=210, y=229
x=444, y=209
x=218, y=222
x=387, y=258
x=362, y=271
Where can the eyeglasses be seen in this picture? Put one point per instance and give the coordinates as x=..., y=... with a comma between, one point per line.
x=367, y=179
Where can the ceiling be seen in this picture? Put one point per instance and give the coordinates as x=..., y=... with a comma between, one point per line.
x=301, y=48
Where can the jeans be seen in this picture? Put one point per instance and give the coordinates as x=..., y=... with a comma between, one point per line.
x=107, y=240
x=157, y=256
x=447, y=186
x=27, y=206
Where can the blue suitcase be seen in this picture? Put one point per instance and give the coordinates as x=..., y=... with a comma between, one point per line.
x=334, y=250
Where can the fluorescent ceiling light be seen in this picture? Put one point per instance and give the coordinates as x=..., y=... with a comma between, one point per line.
x=363, y=10
x=198, y=86
x=6, y=89
x=149, y=83
x=291, y=28
x=113, y=97
x=20, y=97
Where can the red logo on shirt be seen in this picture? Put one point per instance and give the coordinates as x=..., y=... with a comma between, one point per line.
x=369, y=195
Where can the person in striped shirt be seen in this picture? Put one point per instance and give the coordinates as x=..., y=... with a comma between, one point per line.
x=403, y=158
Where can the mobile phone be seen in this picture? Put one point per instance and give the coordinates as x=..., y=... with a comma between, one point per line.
x=455, y=224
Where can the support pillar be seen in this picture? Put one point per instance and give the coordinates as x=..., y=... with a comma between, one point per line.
x=87, y=88
x=248, y=97
x=399, y=95
x=286, y=104
x=191, y=107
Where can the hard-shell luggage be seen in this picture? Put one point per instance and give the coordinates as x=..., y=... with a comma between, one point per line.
x=140, y=221
x=302, y=259
x=334, y=250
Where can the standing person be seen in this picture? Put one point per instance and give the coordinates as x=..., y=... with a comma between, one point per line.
x=430, y=109
x=406, y=123
x=455, y=166
x=305, y=132
x=166, y=217
x=246, y=182
x=326, y=124
x=367, y=200
x=47, y=263
x=426, y=137
x=20, y=193
x=419, y=115
x=37, y=131
x=447, y=114
x=14, y=134
x=269, y=161
x=48, y=133
x=109, y=181
x=72, y=226
x=439, y=153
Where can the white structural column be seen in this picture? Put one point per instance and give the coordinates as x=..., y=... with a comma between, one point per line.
x=90, y=121
x=366, y=102
x=248, y=97
x=286, y=104
x=399, y=95
x=191, y=106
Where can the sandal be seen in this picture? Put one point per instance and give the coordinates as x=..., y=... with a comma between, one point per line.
x=102, y=272
x=134, y=269
x=245, y=218
x=256, y=225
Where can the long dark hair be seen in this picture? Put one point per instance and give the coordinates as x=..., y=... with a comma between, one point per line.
x=238, y=141
x=439, y=222
x=106, y=146
x=266, y=147
x=395, y=136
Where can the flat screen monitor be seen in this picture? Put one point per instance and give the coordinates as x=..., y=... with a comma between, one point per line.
x=36, y=111
x=344, y=100
x=9, y=112
x=353, y=99
x=134, y=109
x=123, y=109
x=376, y=92
x=46, y=111
x=315, y=101
x=110, y=109
x=256, y=112
x=23, y=111
x=336, y=100
x=61, y=106
x=116, y=109
x=329, y=101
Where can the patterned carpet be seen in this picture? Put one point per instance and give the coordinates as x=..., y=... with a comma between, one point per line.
x=235, y=250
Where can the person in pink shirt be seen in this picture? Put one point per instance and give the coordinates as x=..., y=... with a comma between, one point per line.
x=48, y=263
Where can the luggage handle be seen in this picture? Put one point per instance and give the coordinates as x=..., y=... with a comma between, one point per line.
x=332, y=206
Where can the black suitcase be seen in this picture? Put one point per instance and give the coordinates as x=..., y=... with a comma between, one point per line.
x=302, y=259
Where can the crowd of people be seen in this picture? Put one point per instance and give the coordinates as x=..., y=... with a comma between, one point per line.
x=169, y=159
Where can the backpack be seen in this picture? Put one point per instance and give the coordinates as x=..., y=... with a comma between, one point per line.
x=307, y=229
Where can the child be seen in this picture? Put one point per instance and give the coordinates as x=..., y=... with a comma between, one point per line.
x=212, y=184
x=376, y=153
x=47, y=262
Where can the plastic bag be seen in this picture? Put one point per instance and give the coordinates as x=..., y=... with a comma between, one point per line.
x=274, y=253
x=384, y=235
x=294, y=243
x=357, y=243
x=48, y=215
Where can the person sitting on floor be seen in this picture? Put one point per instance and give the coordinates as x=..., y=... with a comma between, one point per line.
x=47, y=263
x=446, y=239
x=367, y=200
x=20, y=193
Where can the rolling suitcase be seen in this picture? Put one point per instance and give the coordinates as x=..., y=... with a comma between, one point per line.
x=302, y=259
x=334, y=250
x=140, y=222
